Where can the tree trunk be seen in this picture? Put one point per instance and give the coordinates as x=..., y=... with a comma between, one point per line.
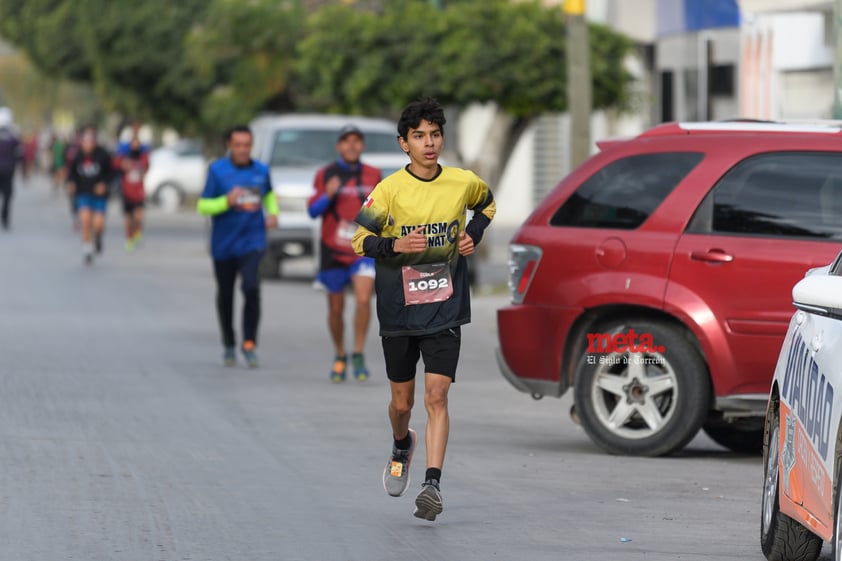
x=500, y=141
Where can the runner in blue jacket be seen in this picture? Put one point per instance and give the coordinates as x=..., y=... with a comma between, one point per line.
x=238, y=195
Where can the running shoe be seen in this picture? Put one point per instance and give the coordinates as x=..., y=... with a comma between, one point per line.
x=337, y=371
x=89, y=259
x=229, y=356
x=396, y=473
x=98, y=242
x=360, y=369
x=250, y=353
x=428, y=503
x=138, y=238
x=129, y=245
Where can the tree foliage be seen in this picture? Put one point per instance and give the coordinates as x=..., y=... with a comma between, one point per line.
x=200, y=65
x=131, y=52
x=246, y=50
x=512, y=53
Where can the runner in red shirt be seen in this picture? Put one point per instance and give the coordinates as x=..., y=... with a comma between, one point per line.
x=133, y=166
x=340, y=189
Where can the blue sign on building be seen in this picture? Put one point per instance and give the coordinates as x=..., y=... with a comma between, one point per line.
x=681, y=16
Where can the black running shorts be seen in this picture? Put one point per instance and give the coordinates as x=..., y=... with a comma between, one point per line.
x=440, y=352
x=130, y=206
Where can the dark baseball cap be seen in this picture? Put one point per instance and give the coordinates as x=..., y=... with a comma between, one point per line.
x=349, y=129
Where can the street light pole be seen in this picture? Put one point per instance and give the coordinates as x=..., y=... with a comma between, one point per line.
x=579, y=88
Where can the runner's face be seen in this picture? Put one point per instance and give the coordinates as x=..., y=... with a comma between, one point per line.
x=239, y=148
x=88, y=143
x=423, y=145
x=350, y=147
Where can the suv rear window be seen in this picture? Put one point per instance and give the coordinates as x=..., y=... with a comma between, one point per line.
x=783, y=194
x=315, y=147
x=625, y=192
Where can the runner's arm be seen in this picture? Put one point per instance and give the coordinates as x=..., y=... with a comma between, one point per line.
x=212, y=207
x=371, y=219
x=484, y=207
x=212, y=202
x=319, y=202
x=368, y=243
x=270, y=204
x=318, y=206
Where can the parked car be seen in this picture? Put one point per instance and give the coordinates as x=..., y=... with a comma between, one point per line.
x=175, y=174
x=802, y=448
x=655, y=279
x=295, y=146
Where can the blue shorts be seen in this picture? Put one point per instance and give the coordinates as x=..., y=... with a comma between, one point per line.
x=335, y=280
x=91, y=202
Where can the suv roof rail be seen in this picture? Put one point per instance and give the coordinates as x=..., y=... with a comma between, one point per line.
x=744, y=125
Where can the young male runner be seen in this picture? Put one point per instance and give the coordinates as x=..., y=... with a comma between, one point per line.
x=413, y=225
x=237, y=193
x=340, y=189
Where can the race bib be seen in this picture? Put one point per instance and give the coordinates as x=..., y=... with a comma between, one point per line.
x=345, y=232
x=134, y=176
x=249, y=201
x=425, y=284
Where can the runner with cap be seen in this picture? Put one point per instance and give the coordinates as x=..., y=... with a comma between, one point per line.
x=340, y=189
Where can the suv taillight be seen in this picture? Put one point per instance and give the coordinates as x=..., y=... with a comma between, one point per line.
x=523, y=261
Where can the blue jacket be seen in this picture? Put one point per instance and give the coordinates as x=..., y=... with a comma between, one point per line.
x=240, y=230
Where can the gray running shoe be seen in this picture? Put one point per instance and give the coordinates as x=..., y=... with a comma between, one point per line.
x=428, y=503
x=396, y=473
x=229, y=357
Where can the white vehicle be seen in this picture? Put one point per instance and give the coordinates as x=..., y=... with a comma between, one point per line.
x=176, y=173
x=801, y=506
x=295, y=146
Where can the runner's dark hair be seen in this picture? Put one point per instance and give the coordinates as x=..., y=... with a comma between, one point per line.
x=425, y=109
x=236, y=128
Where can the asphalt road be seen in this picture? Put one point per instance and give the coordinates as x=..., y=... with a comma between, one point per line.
x=123, y=438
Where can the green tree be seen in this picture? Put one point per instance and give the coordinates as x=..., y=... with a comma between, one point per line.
x=246, y=50
x=131, y=52
x=511, y=53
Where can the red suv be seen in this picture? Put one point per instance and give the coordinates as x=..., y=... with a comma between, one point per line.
x=656, y=279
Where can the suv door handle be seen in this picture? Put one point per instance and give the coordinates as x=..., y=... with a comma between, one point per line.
x=712, y=256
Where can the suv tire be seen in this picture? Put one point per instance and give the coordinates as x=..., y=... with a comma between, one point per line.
x=643, y=403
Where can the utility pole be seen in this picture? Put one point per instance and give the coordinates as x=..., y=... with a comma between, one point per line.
x=579, y=88
x=837, y=59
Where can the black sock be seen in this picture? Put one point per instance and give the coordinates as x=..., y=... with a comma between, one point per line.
x=433, y=473
x=405, y=443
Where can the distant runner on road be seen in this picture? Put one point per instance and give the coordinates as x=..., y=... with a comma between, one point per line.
x=340, y=188
x=90, y=171
x=238, y=195
x=133, y=166
x=11, y=154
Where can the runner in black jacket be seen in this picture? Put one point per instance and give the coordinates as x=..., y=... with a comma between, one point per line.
x=89, y=174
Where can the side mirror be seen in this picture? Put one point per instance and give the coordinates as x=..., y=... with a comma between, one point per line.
x=819, y=294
